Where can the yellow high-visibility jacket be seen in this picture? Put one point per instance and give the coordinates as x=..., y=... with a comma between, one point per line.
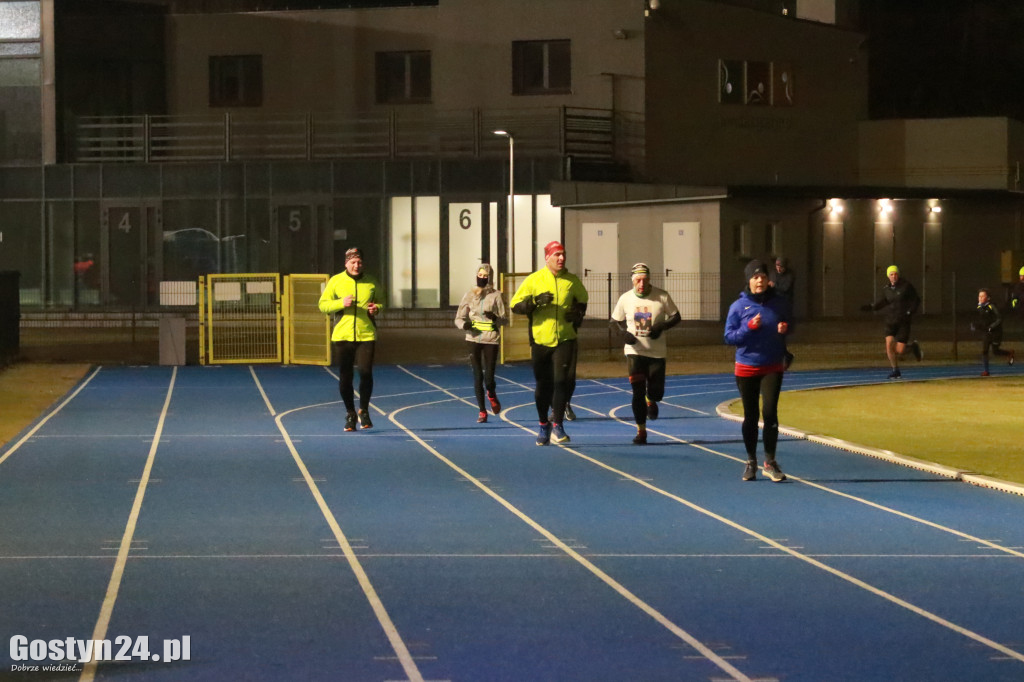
x=552, y=324
x=354, y=324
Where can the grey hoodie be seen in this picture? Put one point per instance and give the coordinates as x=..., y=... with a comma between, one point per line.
x=479, y=300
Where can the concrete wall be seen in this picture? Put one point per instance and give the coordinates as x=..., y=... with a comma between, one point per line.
x=961, y=153
x=693, y=138
x=324, y=60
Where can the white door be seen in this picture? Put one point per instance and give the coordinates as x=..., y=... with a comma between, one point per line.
x=931, y=293
x=832, y=271
x=681, y=251
x=600, y=267
x=464, y=248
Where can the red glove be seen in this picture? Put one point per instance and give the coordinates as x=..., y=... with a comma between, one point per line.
x=754, y=322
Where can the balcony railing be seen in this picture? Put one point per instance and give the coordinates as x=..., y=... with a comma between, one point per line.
x=586, y=134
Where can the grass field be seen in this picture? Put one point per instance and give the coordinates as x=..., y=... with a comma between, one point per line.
x=973, y=424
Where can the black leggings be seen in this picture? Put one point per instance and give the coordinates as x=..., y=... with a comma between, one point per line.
x=360, y=355
x=551, y=370
x=483, y=357
x=647, y=377
x=766, y=387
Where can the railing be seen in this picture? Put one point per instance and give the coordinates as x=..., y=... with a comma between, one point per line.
x=591, y=134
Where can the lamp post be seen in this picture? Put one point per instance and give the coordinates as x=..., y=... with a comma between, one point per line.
x=511, y=196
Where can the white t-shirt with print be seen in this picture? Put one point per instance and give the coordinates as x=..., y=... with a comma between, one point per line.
x=640, y=314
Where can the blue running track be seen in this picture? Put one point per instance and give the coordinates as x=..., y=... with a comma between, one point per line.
x=221, y=518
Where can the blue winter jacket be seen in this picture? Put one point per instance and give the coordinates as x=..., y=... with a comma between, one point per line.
x=762, y=346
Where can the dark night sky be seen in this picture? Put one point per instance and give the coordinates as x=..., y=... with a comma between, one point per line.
x=934, y=58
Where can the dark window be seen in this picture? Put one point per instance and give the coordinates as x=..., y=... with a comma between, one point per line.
x=236, y=81
x=403, y=77
x=541, y=67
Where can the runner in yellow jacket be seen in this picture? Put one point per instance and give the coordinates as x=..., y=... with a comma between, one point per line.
x=352, y=296
x=555, y=302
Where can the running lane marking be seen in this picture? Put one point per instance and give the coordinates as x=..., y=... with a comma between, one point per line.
x=114, y=586
x=390, y=631
x=924, y=613
x=47, y=418
x=621, y=589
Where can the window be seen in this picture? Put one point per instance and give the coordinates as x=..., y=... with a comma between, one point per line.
x=236, y=81
x=541, y=67
x=403, y=77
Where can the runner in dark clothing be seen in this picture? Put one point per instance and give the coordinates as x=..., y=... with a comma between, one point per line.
x=989, y=323
x=901, y=301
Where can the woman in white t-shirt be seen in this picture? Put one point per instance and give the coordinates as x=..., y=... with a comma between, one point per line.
x=643, y=314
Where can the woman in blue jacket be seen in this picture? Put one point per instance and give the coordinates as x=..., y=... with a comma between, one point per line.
x=757, y=324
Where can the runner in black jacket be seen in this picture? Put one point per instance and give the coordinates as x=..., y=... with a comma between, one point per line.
x=989, y=323
x=901, y=301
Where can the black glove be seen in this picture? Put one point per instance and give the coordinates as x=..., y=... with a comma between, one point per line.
x=629, y=338
x=490, y=316
x=544, y=299
x=656, y=329
x=867, y=308
x=525, y=306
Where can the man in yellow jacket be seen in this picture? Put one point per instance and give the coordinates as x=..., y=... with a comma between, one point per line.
x=555, y=301
x=352, y=296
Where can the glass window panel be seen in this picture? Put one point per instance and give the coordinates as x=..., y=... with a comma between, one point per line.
x=19, y=73
x=400, y=289
x=63, y=267
x=19, y=20
x=523, y=229
x=428, y=252
x=19, y=49
x=22, y=248
x=549, y=226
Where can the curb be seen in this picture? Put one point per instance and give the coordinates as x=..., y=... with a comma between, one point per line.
x=954, y=473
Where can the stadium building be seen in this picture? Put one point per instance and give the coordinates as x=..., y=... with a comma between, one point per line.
x=153, y=141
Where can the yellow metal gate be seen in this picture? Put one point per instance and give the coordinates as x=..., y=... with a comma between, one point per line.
x=245, y=318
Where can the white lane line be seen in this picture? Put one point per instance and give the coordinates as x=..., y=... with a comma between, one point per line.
x=390, y=631
x=113, y=587
x=660, y=618
x=806, y=557
x=14, y=448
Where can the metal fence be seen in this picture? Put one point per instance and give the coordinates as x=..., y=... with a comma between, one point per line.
x=696, y=294
x=580, y=133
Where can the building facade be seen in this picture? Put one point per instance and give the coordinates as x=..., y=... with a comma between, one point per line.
x=691, y=134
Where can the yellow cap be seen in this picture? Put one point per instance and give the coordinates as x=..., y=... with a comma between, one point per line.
x=1021, y=272
x=892, y=268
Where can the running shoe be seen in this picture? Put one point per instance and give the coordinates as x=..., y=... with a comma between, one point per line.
x=482, y=418
x=772, y=471
x=652, y=410
x=569, y=414
x=495, y=405
x=985, y=373
x=895, y=374
x=364, y=420
x=558, y=434
x=1012, y=358
x=750, y=473
x=544, y=434
x=915, y=348
x=350, y=421
x=641, y=437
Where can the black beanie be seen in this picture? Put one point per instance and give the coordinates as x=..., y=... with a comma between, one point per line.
x=753, y=267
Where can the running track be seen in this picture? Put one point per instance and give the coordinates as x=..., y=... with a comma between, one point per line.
x=227, y=505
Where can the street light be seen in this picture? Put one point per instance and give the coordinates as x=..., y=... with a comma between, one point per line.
x=511, y=195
